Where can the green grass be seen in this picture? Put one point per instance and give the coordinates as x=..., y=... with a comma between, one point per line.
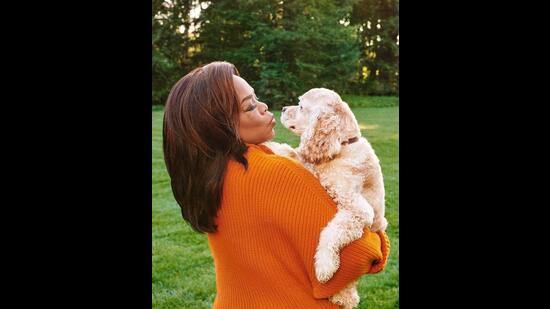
x=370, y=101
x=157, y=108
x=183, y=269
x=353, y=101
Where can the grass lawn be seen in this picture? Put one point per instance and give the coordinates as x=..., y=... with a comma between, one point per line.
x=183, y=269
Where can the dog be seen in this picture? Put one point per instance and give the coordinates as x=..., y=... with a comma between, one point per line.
x=332, y=148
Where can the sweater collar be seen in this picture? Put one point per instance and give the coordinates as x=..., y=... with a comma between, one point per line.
x=261, y=148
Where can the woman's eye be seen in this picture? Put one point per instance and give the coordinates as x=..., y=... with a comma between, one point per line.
x=251, y=107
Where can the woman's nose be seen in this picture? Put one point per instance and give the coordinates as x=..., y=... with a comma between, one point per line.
x=266, y=107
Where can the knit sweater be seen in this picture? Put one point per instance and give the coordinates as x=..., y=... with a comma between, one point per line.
x=269, y=225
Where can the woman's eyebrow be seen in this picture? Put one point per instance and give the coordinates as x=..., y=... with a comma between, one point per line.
x=247, y=97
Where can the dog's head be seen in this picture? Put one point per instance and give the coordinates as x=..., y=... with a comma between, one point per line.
x=323, y=121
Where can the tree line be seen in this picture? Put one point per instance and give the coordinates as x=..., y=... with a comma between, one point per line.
x=282, y=48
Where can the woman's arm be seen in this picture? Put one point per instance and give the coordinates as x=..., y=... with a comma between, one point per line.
x=305, y=210
x=367, y=255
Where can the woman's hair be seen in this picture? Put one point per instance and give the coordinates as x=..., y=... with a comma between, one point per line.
x=199, y=137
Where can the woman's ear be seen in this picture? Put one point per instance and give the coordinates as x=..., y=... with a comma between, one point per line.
x=320, y=141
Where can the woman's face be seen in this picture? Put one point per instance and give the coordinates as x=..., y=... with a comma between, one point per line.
x=255, y=122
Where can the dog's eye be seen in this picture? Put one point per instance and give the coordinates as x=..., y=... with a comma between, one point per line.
x=300, y=107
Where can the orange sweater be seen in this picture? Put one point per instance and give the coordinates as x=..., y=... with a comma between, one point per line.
x=268, y=229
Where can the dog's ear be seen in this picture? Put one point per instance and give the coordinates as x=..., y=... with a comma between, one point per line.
x=320, y=141
x=349, y=126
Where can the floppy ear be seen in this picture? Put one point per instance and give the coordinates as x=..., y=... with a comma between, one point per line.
x=320, y=141
x=349, y=127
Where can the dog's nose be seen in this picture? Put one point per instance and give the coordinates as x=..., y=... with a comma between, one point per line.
x=284, y=108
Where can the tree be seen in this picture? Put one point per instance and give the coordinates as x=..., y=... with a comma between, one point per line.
x=226, y=33
x=171, y=40
x=378, y=28
x=311, y=46
x=282, y=48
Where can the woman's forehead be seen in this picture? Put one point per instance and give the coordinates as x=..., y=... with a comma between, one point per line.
x=241, y=86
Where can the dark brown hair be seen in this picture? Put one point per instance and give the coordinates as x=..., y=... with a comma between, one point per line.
x=199, y=137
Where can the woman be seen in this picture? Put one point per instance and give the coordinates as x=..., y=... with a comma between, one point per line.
x=263, y=213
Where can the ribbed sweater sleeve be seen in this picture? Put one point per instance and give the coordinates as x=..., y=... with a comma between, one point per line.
x=304, y=209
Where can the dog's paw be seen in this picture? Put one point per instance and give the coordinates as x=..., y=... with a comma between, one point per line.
x=363, y=210
x=326, y=264
x=281, y=149
x=369, y=221
x=379, y=224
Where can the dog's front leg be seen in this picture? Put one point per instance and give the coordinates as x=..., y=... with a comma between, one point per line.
x=353, y=215
x=341, y=230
